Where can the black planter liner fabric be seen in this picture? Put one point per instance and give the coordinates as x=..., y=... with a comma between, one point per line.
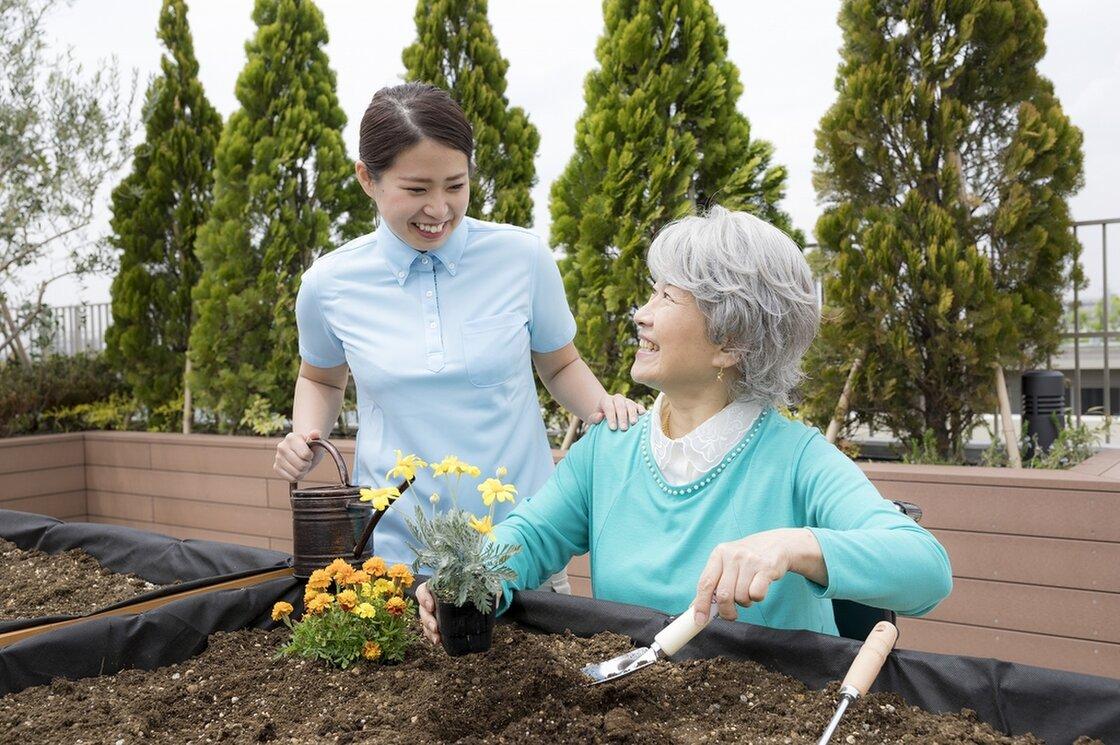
x=162, y=636
x=159, y=559
x=1057, y=706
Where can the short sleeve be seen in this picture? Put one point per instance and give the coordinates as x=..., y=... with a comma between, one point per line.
x=318, y=344
x=551, y=324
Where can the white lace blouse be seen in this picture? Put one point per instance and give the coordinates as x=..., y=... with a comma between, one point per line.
x=690, y=457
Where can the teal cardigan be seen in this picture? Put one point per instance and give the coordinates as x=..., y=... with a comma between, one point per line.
x=649, y=540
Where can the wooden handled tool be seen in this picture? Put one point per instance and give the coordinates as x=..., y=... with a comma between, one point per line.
x=865, y=668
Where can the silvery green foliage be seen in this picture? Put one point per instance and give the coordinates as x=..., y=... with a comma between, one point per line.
x=465, y=564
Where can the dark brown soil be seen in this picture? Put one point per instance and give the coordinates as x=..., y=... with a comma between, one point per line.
x=71, y=583
x=527, y=689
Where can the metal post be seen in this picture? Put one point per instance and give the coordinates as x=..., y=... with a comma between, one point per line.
x=1104, y=326
x=1076, y=332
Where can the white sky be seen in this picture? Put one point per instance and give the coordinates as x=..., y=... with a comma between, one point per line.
x=786, y=52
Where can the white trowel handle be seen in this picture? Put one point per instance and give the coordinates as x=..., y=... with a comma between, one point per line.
x=865, y=668
x=681, y=630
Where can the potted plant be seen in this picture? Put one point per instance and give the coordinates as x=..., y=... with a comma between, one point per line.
x=467, y=566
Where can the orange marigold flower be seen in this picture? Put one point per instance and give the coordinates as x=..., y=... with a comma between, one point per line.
x=396, y=606
x=320, y=603
x=400, y=573
x=347, y=600
x=320, y=580
x=281, y=610
x=375, y=565
x=371, y=650
x=360, y=577
x=308, y=594
x=346, y=576
x=337, y=567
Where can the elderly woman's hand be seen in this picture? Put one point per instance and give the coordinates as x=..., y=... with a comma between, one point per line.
x=427, y=603
x=618, y=410
x=741, y=572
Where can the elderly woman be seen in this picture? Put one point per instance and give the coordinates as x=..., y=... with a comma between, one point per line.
x=716, y=494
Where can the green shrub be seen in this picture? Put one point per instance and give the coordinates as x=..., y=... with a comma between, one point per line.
x=52, y=384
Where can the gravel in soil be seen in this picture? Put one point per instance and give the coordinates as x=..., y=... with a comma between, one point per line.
x=72, y=583
x=527, y=689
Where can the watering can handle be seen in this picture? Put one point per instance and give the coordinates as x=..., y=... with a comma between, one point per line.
x=340, y=463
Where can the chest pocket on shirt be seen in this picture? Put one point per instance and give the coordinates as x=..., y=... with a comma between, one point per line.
x=494, y=347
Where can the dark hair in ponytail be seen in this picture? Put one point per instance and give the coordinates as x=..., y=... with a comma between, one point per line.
x=400, y=116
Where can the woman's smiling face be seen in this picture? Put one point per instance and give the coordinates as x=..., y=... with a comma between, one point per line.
x=674, y=352
x=423, y=196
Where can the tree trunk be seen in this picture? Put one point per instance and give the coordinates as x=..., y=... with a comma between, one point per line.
x=844, y=403
x=188, y=406
x=1010, y=440
x=11, y=328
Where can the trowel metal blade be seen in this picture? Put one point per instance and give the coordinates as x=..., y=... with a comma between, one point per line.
x=617, y=667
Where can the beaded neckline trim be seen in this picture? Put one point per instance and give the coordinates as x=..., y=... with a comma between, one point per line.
x=686, y=489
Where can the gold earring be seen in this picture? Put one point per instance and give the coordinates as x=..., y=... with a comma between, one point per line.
x=719, y=375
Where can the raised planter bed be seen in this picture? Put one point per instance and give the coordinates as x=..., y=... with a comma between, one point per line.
x=526, y=689
x=123, y=566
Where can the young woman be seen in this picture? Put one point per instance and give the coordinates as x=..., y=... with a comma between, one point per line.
x=440, y=318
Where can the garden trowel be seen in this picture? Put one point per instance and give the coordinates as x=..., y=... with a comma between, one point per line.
x=865, y=668
x=667, y=642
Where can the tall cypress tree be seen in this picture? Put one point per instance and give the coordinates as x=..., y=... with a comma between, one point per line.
x=945, y=164
x=284, y=193
x=660, y=137
x=157, y=211
x=455, y=49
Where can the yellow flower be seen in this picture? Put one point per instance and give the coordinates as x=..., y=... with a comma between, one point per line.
x=365, y=610
x=360, y=577
x=308, y=594
x=484, y=526
x=493, y=489
x=380, y=497
x=375, y=565
x=406, y=466
x=320, y=580
x=347, y=600
x=281, y=610
x=452, y=466
x=396, y=607
x=383, y=587
x=338, y=567
x=320, y=603
x=401, y=574
x=371, y=650
x=501, y=472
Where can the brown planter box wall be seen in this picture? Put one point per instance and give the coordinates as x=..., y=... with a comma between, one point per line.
x=1036, y=555
x=44, y=474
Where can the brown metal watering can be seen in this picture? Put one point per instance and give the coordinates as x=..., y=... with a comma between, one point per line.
x=329, y=522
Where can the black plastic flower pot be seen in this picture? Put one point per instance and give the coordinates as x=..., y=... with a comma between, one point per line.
x=464, y=629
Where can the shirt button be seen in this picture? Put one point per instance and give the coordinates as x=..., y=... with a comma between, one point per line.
x=432, y=325
x=451, y=265
x=400, y=274
x=428, y=293
x=424, y=261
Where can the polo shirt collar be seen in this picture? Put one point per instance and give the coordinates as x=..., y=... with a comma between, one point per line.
x=399, y=256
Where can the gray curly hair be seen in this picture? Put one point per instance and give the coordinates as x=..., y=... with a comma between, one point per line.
x=755, y=290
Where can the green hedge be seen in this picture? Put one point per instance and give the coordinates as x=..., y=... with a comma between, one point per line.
x=30, y=393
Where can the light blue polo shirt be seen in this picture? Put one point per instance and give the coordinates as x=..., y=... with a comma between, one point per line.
x=439, y=345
